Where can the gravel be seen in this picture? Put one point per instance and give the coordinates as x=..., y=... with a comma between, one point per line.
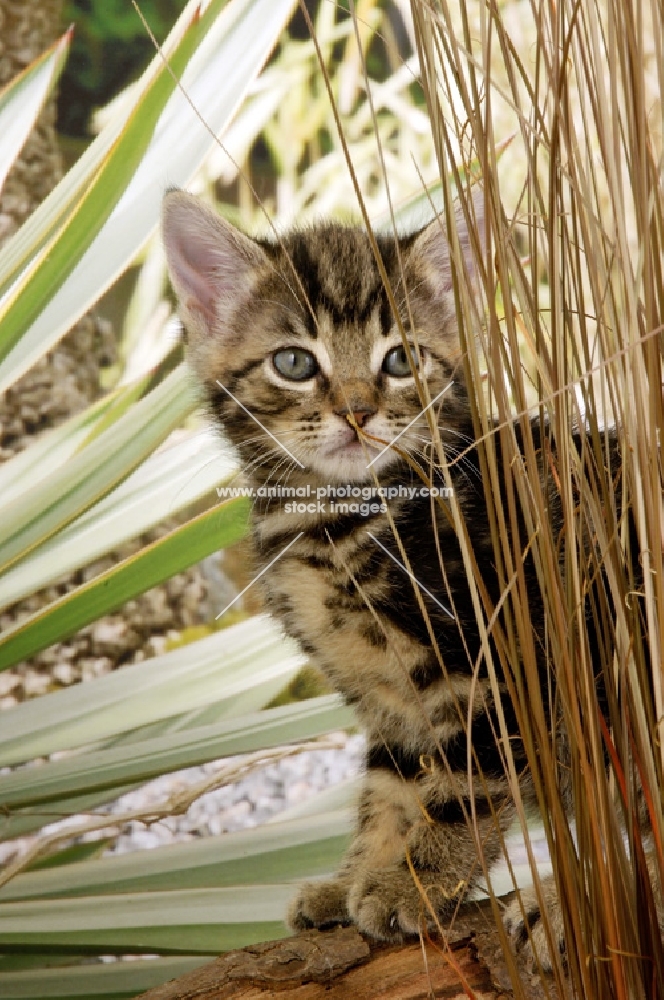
x=254, y=799
x=265, y=790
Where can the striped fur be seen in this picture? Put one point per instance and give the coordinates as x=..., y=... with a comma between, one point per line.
x=349, y=605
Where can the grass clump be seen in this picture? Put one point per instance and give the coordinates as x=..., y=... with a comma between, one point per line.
x=569, y=334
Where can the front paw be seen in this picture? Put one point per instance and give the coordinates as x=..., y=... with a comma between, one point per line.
x=319, y=904
x=389, y=905
x=525, y=926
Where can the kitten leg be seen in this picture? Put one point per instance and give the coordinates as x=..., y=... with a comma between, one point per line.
x=524, y=924
x=437, y=866
x=382, y=829
x=418, y=822
x=320, y=904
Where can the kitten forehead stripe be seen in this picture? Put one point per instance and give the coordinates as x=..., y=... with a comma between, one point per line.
x=335, y=276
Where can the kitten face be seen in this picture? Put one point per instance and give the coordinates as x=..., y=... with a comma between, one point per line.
x=298, y=339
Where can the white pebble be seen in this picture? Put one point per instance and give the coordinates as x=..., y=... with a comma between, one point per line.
x=299, y=791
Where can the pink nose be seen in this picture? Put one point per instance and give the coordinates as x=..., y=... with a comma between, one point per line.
x=359, y=415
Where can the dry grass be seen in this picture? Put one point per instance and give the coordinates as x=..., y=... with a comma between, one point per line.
x=574, y=297
x=569, y=333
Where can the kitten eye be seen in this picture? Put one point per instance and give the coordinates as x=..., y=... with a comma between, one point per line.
x=397, y=364
x=295, y=363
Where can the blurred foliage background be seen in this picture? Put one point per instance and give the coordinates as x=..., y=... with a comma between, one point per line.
x=109, y=51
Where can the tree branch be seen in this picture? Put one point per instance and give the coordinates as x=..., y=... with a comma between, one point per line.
x=340, y=964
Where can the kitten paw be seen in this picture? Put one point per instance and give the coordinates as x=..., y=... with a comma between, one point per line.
x=319, y=904
x=524, y=924
x=388, y=905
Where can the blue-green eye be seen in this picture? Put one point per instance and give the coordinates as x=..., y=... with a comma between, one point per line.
x=397, y=363
x=295, y=363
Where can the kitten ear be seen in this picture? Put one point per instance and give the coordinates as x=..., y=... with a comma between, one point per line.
x=432, y=248
x=210, y=263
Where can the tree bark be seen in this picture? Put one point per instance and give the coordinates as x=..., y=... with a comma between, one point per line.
x=340, y=964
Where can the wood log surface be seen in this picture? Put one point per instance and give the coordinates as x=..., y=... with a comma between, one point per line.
x=340, y=964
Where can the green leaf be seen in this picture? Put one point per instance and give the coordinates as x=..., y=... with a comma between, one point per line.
x=213, y=530
x=73, y=855
x=97, y=201
x=192, y=921
x=81, y=245
x=52, y=449
x=52, y=791
x=305, y=847
x=58, y=498
x=23, y=98
x=232, y=670
x=114, y=981
x=164, y=484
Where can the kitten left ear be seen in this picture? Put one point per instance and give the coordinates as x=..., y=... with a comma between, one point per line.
x=432, y=247
x=210, y=263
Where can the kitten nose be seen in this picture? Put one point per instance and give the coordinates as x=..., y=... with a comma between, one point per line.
x=360, y=414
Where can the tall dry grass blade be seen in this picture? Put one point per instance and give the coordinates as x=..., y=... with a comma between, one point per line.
x=572, y=339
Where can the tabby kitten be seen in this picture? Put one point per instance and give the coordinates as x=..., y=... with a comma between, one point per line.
x=303, y=364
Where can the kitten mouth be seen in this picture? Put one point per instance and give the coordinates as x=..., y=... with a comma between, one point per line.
x=348, y=453
x=341, y=450
x=358, y=439
x=354, y=446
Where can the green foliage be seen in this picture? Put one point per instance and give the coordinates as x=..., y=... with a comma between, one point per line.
x=71, y=855
x=100, y=481
x=200, y=537
x=110, y=49
x=117, y=20
x=307, y=683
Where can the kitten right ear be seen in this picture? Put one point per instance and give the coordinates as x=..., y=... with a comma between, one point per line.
x=211, y=264
x=432, y=248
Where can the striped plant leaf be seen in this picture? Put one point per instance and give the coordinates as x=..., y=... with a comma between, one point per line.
x=180, y=474
x=79, y=783
x=186, y=545
x=221, y=669
x=23, y=98
x=112, y=204
x=110, y=981
x=284, y=849
x=34, y=516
